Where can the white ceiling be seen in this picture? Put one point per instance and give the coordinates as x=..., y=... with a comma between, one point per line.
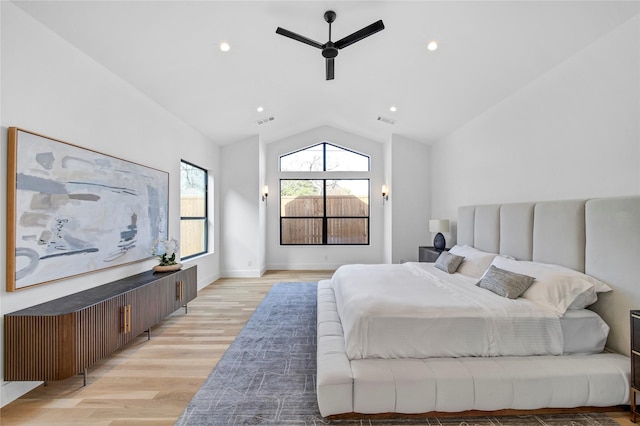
x=488, y=50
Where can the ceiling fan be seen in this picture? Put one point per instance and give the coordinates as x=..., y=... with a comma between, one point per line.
x=330, y=49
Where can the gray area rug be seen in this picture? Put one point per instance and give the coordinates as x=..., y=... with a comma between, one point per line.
x=267, y=376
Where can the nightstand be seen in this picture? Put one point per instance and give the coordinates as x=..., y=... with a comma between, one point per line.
x=635, y=362
x=429, y=254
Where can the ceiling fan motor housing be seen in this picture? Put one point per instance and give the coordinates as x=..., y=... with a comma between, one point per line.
x=329, y=50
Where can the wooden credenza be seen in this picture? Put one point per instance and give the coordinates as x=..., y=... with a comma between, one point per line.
x=64, y=337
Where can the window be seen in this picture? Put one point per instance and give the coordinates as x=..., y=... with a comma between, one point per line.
x=329, y=209
x=193, y=210
x=324, y=157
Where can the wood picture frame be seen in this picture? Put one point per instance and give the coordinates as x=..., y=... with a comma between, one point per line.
x=72, y=210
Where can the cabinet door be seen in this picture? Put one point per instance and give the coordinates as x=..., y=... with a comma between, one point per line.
x=127, y=319
x=168, y=291
x=635, y=349
x=176, y=290
x=40, y=347
x=104, y=327
x=189, y=279
x=144, y=308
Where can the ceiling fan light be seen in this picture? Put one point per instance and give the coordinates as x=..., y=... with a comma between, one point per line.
x=433, y=45
x=224, y=46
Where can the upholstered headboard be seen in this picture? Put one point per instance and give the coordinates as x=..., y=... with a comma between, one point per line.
x=600, y=237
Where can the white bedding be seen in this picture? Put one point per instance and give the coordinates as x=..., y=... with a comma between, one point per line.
x=414, y=310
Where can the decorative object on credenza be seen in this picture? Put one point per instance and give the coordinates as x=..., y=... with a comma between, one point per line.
x=165, y=251
x=439, y=226
x=71, y=210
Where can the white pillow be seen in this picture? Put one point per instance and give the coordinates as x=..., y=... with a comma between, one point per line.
x=556, y=287
x=536, y=269
x=560, y=292
x=601, y=287
x=475, y=262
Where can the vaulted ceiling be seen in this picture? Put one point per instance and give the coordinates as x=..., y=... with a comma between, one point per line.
x=488, y=50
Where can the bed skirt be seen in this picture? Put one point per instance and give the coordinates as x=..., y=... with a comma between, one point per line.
x=412, y=386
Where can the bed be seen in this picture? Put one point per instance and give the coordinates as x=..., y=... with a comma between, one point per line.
x=365, y=366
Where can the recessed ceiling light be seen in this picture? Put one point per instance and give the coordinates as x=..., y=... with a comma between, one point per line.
x=260, y=109
x=224, y=46
x=433, y=45
x=393, y=108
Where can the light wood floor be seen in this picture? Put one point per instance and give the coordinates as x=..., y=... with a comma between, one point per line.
x=151, y=382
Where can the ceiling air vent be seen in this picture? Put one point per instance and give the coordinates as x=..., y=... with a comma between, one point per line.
x=265, y=120
x=386, y=120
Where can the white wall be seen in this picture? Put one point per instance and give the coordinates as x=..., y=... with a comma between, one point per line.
x=242, y=205
x=388, y=204
x=572, y=133
x=323, y=257
x=409, y=198
x=50, y=87
x=262, y=224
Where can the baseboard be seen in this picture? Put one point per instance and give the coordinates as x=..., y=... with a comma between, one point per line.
x=304, y=267
x=10, y=391
x=202, y=283
x=243, y=273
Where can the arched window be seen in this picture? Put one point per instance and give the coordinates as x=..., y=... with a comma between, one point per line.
x=324, y=157
x=325, y=208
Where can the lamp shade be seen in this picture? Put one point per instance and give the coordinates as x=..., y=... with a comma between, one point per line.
x=438, y=225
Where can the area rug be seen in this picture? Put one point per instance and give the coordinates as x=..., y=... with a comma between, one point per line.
x=267, y=376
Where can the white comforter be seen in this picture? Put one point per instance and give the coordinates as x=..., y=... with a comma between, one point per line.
x=414, y=310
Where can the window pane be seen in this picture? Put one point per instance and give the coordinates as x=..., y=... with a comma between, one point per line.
x=301, y=231
x=194, y=222
x=193, y=186
x=348, y=197
x=299, y=198
x=348, y=231
x=192, y=237
x=313, y=159
x=306, y=160
x=343, y=160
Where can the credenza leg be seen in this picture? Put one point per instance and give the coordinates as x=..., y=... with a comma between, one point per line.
x=185, y=309
x=84, y=378
x=149, y=333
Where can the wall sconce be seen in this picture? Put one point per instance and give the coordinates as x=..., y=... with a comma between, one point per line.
x=385, y=193
x=265, y=192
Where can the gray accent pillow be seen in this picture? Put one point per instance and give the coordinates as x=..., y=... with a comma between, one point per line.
x=505, y=283
x=448, y=262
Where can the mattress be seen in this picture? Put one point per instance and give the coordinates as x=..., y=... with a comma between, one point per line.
x=584, y=332
x=414, y=310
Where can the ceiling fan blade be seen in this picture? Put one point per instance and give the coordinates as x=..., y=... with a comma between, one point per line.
x=329, y=63
x=359, y=35
x=298, y=37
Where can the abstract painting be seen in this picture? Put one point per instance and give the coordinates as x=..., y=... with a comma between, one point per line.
x=73, y=211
